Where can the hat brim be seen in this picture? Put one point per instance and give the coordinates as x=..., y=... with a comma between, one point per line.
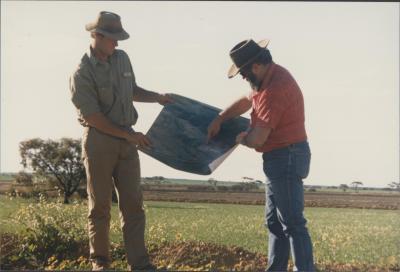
x=234, y=70
x=123, y=35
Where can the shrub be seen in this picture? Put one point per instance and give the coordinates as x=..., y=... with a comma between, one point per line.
x=24, y=178
x=51, y=233
x=222, y=188
x=31, y=192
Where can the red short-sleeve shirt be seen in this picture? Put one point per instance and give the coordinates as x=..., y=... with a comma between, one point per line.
x=279, y=105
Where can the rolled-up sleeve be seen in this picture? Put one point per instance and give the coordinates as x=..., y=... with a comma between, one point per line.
x=271, y=107
x=83, y=94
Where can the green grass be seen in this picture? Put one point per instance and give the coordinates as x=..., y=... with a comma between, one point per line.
x=6, y=177
x=9, y=207
x=351, y=236
x=340, y=236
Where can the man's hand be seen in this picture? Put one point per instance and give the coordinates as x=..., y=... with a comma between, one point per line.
x=240, y=137
x=214, y=127
x=139, y=139
x=164, y=99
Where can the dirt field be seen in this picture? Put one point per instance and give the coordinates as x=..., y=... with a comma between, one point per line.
x=337, y=200
x=5, y=186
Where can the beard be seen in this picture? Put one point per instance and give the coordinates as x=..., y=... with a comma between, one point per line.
x=255, y=83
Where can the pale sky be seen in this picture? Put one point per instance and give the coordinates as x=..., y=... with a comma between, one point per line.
x=344, y=56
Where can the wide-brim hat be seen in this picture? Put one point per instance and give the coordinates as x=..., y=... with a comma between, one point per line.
x=108, y=24
x=244, y=53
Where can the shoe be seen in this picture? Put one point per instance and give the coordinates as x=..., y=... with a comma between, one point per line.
x=100, y=266
x=97, y=267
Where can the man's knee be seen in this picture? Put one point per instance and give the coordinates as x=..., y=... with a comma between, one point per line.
x=134, y=208
x=275, y=227
x=100, y=211
x=295, y=226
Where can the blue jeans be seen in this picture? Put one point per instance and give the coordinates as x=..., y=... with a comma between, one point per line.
x=285, y=168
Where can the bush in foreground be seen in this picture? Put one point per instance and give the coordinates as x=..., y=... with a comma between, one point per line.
x=48, y=232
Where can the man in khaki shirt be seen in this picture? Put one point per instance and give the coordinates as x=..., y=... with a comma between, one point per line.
x=103, y=88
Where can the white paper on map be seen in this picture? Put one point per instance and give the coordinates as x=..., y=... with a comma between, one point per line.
x=214, y=164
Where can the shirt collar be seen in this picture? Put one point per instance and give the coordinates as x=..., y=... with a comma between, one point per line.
x=92, y=58
x=268, y=76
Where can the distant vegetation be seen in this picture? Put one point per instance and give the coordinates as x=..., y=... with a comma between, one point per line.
x=219, y=185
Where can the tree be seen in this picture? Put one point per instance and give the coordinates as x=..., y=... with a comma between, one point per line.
x=344, y=187
x=157, y=179
x=213, y=182
x=355, y=185
x=395, y=185
x=55, y=159
x=247, y=179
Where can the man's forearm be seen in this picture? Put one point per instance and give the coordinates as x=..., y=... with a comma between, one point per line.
x=237, y=108
x=100, y=122
x=256, y=137
x=142, y=95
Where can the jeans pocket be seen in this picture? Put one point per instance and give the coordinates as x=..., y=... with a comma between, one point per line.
x=275, y=168
x=303, y=161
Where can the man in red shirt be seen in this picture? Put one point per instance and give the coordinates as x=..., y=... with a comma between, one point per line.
x=277, y=130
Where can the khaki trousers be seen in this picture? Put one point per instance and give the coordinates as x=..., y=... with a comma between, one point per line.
x=112, y=162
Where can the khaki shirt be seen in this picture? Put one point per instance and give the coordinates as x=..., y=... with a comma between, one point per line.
x=106, y=87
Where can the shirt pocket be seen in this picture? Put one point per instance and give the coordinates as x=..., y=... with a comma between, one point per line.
x=127, y=83
x=106, y=97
